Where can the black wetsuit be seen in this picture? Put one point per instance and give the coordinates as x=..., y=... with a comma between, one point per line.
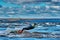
x=28, y=28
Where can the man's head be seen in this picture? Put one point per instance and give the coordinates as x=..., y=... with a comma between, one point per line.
x=34, y=24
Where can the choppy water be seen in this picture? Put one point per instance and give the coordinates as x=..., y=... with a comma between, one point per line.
x=53, y=29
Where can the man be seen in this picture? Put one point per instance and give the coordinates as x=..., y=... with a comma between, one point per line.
x=31, y=26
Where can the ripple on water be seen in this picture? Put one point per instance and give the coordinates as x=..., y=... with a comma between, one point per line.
x=5, y=38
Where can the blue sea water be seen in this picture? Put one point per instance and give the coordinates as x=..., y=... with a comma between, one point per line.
x=4, y=4
x=4, y=38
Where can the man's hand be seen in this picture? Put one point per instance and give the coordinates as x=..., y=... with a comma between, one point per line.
x=20, y=31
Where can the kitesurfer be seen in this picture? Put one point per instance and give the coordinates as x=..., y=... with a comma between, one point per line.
x=31, y=26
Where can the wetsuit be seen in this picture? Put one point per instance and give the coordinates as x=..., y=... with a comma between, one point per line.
x=29, y=27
